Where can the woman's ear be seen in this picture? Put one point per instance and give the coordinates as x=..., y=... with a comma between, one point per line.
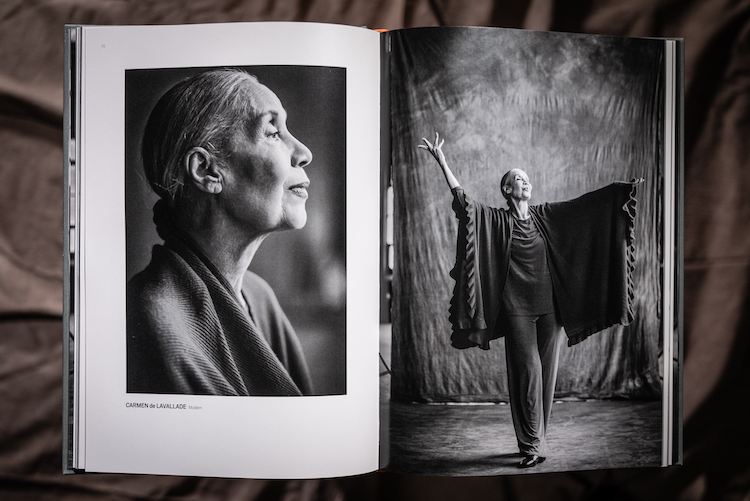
x=203, y=170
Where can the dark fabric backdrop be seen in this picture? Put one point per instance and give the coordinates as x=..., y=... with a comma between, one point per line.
x=576, y=114
x=717, y=247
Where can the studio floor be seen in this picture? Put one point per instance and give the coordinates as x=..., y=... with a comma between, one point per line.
x=476, y=440
x=479, y=439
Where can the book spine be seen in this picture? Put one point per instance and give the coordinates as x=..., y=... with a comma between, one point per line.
x=386, y=273
x=71, y=155
x=386, y=223
x=673, y=264
x=677, y=442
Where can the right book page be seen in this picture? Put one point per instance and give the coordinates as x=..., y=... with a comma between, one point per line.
x=529, y=303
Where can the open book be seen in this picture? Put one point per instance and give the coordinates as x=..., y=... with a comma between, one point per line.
x=379, y=331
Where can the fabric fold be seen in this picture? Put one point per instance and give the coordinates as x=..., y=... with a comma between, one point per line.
x=591, y=254
x=188, y=334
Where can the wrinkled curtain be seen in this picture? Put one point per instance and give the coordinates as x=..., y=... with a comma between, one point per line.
x=576, y=113
x=717, y=247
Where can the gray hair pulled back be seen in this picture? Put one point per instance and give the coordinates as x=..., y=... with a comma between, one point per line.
x=505, y=181
x=201, y=111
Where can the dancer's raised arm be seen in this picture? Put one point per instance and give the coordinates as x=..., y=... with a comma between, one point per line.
x=437, y=152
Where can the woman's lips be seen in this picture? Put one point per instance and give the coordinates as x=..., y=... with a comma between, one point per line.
x=300, y=190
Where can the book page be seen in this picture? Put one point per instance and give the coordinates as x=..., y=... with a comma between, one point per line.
x=187, y=407
x=529, y=305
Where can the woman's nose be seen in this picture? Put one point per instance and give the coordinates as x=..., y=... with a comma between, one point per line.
x=301, y=154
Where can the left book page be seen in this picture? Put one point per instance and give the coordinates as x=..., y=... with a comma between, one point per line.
x=196, y=152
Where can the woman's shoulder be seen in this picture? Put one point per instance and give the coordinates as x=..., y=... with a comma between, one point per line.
x=265, y=308
x=463, y=202
x=168, y=283
x=165, y=269
x=165, y=300
x=253, y=282
x=258, y=292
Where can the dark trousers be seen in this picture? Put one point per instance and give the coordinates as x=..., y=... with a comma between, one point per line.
x=532, y=349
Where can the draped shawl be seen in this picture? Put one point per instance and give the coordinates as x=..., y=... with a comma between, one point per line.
x=188, y=334
x=590, y=252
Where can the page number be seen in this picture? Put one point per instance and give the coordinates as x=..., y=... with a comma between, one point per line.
x=104, y=46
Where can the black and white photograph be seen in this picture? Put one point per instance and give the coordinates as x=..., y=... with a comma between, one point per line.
x=527, y=294
x=235, y=186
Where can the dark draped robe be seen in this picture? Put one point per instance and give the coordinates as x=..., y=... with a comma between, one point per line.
x=188, y=333
x=590, y=252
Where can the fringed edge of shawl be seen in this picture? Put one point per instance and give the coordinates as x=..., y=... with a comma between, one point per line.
x=465, y=275
x=468, y=330
x=629, y=208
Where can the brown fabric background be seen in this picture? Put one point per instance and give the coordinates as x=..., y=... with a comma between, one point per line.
x=717, y=246
x=575, y=122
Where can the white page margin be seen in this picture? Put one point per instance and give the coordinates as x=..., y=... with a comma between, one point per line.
x=262, y=437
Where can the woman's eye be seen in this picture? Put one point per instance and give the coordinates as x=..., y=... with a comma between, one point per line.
x=274, y=134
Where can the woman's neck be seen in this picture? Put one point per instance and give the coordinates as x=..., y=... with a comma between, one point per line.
x=230, y=253
x=519, y=208
x=231, y=258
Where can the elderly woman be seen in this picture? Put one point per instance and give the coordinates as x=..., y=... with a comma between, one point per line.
x=217, y=151
x=529, y=273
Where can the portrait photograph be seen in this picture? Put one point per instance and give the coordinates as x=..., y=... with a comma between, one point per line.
x=235, y=184
x=527, y=294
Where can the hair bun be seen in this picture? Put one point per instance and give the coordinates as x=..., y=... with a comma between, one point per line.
x=163, y=219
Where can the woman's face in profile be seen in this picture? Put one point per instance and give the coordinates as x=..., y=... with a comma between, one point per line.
x=265, y=185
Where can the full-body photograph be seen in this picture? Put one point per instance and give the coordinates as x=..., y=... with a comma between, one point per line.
x=531, y=273
x=528, y=276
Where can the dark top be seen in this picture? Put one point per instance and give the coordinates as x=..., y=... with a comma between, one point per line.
x=528, y=290
x=589, y=244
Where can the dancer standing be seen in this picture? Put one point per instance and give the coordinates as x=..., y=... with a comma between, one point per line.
x=530, y=272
